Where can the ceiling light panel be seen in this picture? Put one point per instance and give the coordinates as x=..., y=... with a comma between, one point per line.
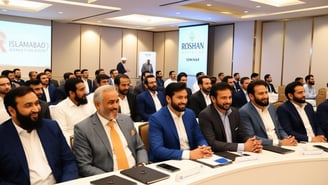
x=22, y=5
x=145, y=20
x=279, y=3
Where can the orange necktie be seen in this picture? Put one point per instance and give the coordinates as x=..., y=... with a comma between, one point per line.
x=122, y=161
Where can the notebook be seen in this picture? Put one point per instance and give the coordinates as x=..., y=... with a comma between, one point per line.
x=113, y=180
x=145, y=174
x=277, y=149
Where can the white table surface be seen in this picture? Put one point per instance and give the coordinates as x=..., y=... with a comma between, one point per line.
x=268, y=169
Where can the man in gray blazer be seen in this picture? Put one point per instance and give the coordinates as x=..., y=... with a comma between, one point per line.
x=92, y=142
x=259, y=118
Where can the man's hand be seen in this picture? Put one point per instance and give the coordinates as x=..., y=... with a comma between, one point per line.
x=253, y=145
x=289, y=141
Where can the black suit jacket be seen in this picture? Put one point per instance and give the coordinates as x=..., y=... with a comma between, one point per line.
x=132, y=100
x=270, y=88
x=213, y=130
x=197, y=102
x=239, y=99
x=45, y=112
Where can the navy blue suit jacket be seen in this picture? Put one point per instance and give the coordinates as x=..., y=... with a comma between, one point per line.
x=164, y=142
x=253, y=124
x=52, y=93
x=146, y=103
x=322, y=115
x=13, y=162
x=292, y=122
x=239, y=99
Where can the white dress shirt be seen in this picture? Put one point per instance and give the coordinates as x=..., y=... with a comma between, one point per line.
x=128, y=153
x=181, y=130
x=85, y=81
x=305, y=120
x=124, y=106
x=67, y=114
x=39, y=169
x=207, y=98
x=268, y=124
x=4, y=116
x=46, y=93
x=158, y=104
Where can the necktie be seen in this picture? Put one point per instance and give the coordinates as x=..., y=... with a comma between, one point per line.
x=122, y=161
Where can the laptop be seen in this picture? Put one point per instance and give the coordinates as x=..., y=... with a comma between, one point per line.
x=113, y=180
x=277, y=149
x=145, y=174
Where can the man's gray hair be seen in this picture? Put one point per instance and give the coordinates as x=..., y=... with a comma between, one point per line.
x=98, y=94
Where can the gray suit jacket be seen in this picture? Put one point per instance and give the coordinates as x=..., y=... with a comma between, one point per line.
x=254, y=126
x=92, y=149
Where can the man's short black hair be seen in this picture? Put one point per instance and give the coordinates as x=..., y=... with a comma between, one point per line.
x=70, y=84
x=251, y=86
x=10, y=98
x=117, y=79
x=219, y=87
x=175, y=87
x=180, y=75
x=290, y=88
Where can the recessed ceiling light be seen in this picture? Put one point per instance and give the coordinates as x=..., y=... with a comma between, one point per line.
x=83, y=4
x=257, y=6
x=245, y=11
x=60, y=12
x=208, y=4
x=23, y=5
x=279, y=3
x=4, y=10
x=178, y=13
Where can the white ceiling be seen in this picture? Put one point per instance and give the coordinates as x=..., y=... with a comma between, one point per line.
x=189, y=12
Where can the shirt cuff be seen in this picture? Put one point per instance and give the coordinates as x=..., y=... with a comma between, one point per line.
x=309, y=139
x=275, y=142
x=240, y=147
x=185, y=154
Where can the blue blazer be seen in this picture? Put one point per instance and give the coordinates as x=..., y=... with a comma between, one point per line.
x=292, y=122
x=239, y=99
x=52, y=93
x=254, y=126
x=164, y=140
x=146, y=103
x=322, y=115
x=13, y=162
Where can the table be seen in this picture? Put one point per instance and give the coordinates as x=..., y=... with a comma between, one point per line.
x=269, y=168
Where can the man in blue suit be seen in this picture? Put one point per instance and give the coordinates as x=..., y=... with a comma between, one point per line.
x=174, y=131
x=322, y=114
x=297, y=116
x=150, y=100
x=259, y=118
x=33, y=150
x=240, y=98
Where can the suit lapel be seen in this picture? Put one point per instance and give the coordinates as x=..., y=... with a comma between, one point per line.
x=99, y=129
x=169, y=120
x=257, y=116
x=14, y=140
x=219, y=127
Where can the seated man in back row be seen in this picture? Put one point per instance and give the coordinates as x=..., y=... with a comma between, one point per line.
x=174, y=130
x=259, y=118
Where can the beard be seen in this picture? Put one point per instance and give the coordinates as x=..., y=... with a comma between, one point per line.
x=179, y=107
x=225, y=106
x=81, y=101
x=299, y=100
x=124, y=92
x=154, y=88
x=264, y=102
x=311, y=83
x=27, y=123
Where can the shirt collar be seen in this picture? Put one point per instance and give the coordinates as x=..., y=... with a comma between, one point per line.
x=103, y=120
x=174, y=115
x=19, y=129
x=297, y=106
x=221, y=114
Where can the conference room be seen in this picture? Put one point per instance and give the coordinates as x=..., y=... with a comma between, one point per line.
x=286, y=41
